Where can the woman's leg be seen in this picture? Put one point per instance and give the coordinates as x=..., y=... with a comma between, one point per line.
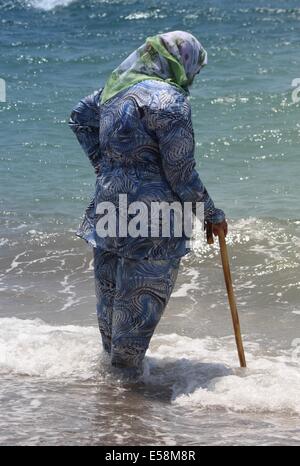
x=143, y=288
x=105, y=269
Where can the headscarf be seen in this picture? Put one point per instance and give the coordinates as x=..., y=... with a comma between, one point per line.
x=174, y=57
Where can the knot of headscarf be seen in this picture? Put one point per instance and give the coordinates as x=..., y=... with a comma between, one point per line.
x=174, y=57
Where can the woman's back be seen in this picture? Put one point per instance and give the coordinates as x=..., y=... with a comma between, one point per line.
x=131, y=161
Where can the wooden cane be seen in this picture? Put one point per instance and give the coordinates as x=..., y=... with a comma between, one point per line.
x=230, y=293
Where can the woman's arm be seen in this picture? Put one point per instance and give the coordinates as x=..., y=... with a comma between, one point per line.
x=84, y=122
x=174, y=131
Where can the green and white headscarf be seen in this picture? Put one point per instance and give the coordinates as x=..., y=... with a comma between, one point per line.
x=175, y=57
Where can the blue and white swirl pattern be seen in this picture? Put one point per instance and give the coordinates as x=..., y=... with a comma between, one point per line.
x=142, y=143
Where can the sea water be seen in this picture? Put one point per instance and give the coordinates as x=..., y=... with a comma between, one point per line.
x=56, y=387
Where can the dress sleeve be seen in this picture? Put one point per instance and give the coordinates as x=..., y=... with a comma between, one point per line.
x=174, y=132
x=84, y=122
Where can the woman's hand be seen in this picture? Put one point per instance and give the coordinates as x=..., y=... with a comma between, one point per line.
x=217, y=227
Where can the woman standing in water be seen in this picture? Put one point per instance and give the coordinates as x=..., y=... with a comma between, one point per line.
x=138, y=135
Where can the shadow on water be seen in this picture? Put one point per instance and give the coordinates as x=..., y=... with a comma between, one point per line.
x=164, y=380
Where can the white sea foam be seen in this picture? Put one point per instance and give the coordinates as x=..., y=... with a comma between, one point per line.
x=33, y=348
x=207, y=377
x=185, y=288
x=48, y=4
x=203, y=373
x=267, y=238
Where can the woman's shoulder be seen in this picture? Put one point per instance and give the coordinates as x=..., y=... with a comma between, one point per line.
x=152, y=98
x=158, y=95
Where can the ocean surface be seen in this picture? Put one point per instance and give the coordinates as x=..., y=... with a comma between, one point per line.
x=55, y=385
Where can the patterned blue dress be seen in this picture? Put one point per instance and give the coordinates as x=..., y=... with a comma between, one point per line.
x=141, y=143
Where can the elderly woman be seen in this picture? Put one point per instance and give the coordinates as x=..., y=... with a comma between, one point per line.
x=137, y=133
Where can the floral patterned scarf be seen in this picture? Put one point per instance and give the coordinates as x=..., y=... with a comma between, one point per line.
x=175, y=57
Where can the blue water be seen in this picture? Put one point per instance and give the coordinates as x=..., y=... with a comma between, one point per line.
x=247, y=128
